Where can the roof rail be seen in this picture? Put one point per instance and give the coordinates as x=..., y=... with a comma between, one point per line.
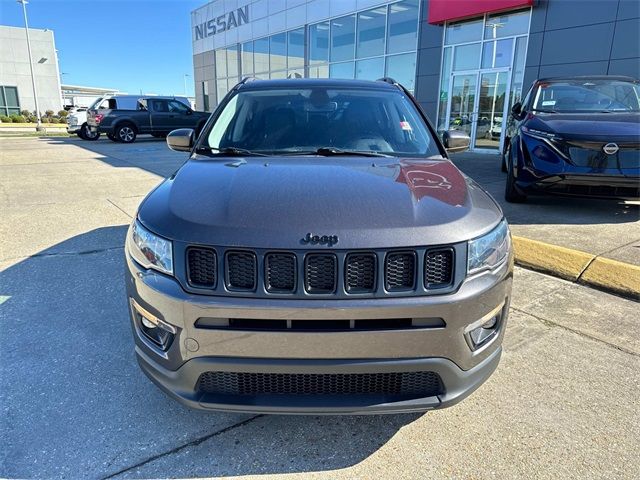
x=247, y=80
x=388, y=80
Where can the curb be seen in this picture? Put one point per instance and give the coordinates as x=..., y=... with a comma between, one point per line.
x=580, y=267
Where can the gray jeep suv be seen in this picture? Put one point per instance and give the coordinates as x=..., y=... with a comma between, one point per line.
x=318, y=253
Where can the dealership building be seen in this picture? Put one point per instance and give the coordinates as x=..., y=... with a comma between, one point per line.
x=466, y=61
x=16, y=89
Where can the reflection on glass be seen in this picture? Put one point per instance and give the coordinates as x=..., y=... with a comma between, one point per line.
x=232, y=61
x=280, y=74
x=466, y=57
x=321, y=71
x=295, y=48
x=221, y=63
x=319, y=43
x=507, y=24
x=462, y=32
x=247, y=58
x=371, y=69
x=343, y=38
x=517, y=75
x=278, y=51
x=371, y=32
x=221, y=88
x=444, y=89
x=295, y=73
x=463, y=96
x=491, y=98
x=341, y=70
x=403, y=26
x=261, y=55
x=402, y=68
x=497, y=53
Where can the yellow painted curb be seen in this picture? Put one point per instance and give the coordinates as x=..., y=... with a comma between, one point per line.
x=620, y=277
x=559, y=261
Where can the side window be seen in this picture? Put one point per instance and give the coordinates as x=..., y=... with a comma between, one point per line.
x=112, y=104
x=177, y=107
x=160, y=106
x=141, y=105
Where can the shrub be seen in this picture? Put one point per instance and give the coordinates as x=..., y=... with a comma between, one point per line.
x=25, y=113
x=5, y=119
x=63, y=113
x=49, y=113
x=15, y=118
x=46, y=120
x=32, y=118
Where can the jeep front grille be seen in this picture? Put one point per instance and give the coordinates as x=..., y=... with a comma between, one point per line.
x=360, y=272
x=414, y=384
x=438, y=268
x=400, y=271
x=201, y=267
x=321, y=274
x=280, y=272
x=241, y=270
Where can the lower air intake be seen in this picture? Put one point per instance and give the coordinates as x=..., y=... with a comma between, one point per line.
x=423, y=384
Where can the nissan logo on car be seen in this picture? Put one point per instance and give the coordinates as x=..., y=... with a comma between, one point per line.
x=610, y=148
x=222, y=23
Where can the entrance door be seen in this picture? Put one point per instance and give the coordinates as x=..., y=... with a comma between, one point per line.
x=477, y=106
x=491, y=118
x=462, y=102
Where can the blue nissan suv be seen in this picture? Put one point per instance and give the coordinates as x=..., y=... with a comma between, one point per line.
x=575, y=136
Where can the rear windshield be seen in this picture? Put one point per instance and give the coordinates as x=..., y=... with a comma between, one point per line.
x=588, y=96
x=306, y=119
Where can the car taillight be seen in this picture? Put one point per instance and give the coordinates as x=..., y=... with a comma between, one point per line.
x=98, y=118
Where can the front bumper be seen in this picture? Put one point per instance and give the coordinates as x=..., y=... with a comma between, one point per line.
x=73, y=128
x=194, y=351
x=598, y=186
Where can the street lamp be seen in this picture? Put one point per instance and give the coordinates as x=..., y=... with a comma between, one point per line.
x=185, y=83
x=33, y=78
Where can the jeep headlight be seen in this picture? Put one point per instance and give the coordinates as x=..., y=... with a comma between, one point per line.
x=150, y=250
x=490, y=250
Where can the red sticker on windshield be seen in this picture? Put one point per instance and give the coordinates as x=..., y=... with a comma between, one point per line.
x=405, y=126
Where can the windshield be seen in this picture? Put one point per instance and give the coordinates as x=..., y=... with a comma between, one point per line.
x=303, y=120
x=95, y=104
x=588, y=96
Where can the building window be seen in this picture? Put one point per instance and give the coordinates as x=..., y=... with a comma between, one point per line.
x=403, y=27
x=343, y=33
x=9, y=103
x=205, y=96
x=371, y=32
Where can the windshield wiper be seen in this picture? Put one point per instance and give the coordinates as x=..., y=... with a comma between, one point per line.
x=231, y=152
x=330, y=151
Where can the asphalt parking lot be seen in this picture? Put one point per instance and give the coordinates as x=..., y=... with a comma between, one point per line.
x=562, y=404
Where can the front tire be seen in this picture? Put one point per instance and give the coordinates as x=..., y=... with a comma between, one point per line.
x=126, y=133
x=87, y=134
x=511, y=193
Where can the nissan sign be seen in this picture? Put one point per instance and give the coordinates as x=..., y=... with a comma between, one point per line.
x=222, y=23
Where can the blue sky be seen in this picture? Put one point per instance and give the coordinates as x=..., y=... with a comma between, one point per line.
x=127, y=45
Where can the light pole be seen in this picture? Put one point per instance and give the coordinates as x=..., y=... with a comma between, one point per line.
x=33, y=77
x=185, y=83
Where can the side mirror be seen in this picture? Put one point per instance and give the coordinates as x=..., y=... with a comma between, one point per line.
x=180, y=140
x=516, y=110
x=456, y=141
x=189, y=111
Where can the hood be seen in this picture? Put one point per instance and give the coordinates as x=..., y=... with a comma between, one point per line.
x=604, y=126
x=275, y=202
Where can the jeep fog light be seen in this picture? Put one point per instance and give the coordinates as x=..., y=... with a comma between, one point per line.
x=482, y=331
x=153, y=328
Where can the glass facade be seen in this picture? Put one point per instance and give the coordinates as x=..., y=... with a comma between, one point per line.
x=368, y=44
x=482, y=75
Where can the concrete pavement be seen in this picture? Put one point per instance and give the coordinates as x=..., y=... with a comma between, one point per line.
x=562, y=404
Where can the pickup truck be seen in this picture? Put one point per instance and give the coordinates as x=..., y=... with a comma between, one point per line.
x=156, y=116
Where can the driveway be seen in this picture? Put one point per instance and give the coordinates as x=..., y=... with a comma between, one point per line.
x=562, y=404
